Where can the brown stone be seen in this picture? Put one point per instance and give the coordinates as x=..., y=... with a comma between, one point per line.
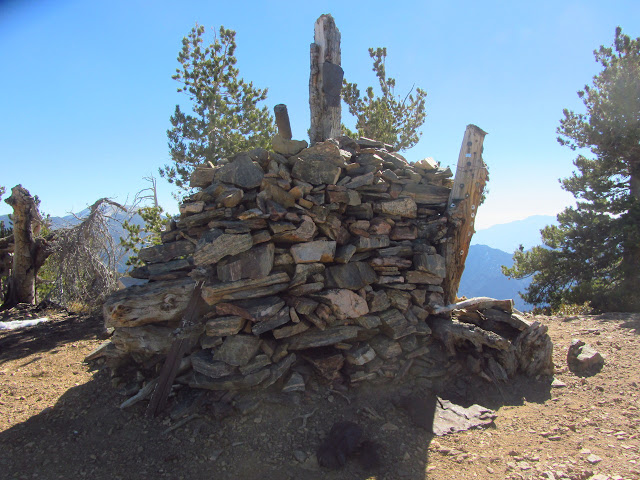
x=413, y=276
x=214, y=247
x=224, y=326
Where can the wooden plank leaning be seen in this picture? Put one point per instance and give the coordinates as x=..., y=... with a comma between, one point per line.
x=186, y=336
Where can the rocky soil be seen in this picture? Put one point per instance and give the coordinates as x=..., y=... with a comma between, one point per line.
x=60, y=419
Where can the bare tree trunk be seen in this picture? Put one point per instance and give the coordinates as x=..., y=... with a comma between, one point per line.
x=325, y=81
x=26, y=219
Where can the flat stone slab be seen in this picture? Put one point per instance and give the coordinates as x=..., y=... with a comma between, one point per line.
x=323, y=338
x=224, y=326
x=319, y=251
x=212, y=250
x=452, y=418
x=402, y=207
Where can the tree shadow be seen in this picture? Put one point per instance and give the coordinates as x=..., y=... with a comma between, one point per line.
x=626, y=320
x=16, y=344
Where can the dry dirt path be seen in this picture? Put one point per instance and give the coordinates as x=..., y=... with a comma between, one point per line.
x=60, y=420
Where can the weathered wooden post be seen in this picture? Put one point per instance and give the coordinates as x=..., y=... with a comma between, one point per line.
x=468, y=185
x=325, y=81
x=282, y=121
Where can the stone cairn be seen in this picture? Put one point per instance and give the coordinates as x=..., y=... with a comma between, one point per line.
x=321, y=264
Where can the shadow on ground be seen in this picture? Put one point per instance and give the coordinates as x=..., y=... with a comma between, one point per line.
x=16, y=344
x=86, y=435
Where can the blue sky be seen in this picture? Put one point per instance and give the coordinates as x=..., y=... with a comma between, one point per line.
x=87, y=90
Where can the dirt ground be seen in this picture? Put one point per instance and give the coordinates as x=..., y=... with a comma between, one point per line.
x=61, y=420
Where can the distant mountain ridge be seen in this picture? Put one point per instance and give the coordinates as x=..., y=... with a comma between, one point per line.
x=483, y=277
x=509, y=236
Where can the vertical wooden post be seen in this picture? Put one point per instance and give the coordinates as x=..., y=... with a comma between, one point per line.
x=282, y=121
x=325, y=81
x=468, y=185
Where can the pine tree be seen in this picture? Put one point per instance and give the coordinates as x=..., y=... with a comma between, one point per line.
x=594, y=253
x=387, y=118
x=225, y=117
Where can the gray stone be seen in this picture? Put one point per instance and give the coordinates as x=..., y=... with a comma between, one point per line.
x=166, y=252
x=353, y=276
x=290, y=330
x=254, y=263
x=327, y=152
x=361, y=180
x=202, y=176
x=360, y=354
x=242, y=172
x=316, y=172
x=344, y=303
x=238, y=350
x=203, y=362
x=583, y=359
x=427, y=194
x=433, y=264
x=304, y=233
x=344, y=253
x=304, y=271
x=224, y=326
x=232, y=382
x=372, y=242
x=287, y=147
x=262, y=308
x=402, y=207
x=279, y=195
x=276, y=321
x=311, y=252
x=385, y=347
x=452, y=418
x=369, y=321
x=295, y=384
x=256, y=364
x=395, y=325
x=318, y=338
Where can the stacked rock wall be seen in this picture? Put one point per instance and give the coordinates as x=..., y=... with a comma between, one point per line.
x=325, y=258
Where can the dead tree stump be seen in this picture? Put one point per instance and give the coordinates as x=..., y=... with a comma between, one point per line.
x=325, y=81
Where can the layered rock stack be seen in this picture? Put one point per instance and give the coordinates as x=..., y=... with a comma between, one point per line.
x=319, y=263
